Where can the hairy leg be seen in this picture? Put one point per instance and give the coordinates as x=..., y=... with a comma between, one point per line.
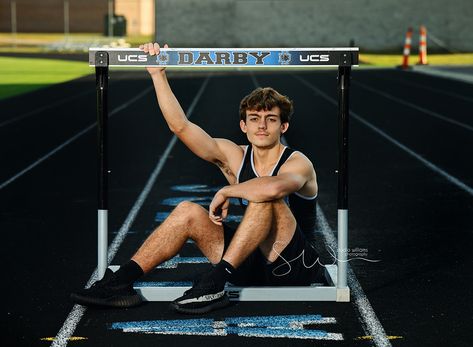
x=283, y=228
x=187, y=221
x=269, y=225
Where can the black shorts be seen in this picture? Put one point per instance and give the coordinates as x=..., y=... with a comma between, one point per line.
x=297, y=264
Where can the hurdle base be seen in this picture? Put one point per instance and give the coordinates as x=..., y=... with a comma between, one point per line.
x=169, y=291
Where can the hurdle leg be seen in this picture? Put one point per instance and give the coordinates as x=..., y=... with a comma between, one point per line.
x=343, y=293
x=101, y=75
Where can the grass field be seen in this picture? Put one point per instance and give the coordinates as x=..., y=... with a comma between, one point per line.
x=21, y=75
x=50, y=42
x=391, y=60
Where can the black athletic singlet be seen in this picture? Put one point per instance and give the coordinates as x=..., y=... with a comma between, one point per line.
x=303, y=208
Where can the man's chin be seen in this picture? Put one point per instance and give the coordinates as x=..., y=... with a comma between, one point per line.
x=263, y=144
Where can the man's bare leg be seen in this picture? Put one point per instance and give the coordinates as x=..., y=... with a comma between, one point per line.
x=187, y=221
x=263, y=225
x=269, y=225
x=283, y=228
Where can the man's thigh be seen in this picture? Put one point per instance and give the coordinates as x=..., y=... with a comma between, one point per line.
x=282, y=231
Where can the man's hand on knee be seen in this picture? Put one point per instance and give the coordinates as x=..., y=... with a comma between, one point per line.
x=218, y=208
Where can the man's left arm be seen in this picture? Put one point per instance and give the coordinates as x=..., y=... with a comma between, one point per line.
x=292, y=176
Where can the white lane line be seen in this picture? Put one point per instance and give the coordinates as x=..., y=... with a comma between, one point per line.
x=51, y=105
x=369, y=321
x=414, y=106
x=72, y=139
x=452, y=179
x=435, y=90
x=78, y=311
x=456, y=76
x=43, y=108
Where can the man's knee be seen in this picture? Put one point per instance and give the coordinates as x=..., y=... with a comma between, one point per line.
x=274, y=206
x=277, y=210
x=189, y=211
x=263, y=205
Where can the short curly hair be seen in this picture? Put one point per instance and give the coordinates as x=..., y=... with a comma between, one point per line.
x=265, y=99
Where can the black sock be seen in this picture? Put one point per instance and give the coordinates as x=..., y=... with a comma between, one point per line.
x=222, y=272
x=129, y=272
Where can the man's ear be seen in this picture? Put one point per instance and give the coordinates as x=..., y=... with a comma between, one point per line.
x=243, y=126
x=284, y=127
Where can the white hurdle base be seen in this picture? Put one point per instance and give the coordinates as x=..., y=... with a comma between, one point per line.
x=169, y=291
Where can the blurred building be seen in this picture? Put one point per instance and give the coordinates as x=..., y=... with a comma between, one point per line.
x=374, y=25
x=139, y=15
x=84, y=16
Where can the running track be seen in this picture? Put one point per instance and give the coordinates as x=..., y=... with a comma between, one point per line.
x=410, y=200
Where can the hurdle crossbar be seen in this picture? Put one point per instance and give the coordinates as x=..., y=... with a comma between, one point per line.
x=249, y=58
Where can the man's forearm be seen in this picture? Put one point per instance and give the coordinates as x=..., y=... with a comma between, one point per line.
x=170, y=107
x=259, y=189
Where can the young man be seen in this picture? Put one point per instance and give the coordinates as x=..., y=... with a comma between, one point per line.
x=276, y=186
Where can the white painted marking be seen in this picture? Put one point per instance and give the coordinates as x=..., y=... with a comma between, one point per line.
x=72, y=139
x=430, y=165
x=48, y=106
x=291, y=327
x=41, y=109
x=414, y=106
x=457, y=76
x=78, y=311
x=435, y=90
x=370, y=322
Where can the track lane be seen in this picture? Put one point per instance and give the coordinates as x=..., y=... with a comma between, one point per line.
x=20, y=144
x=48, y=218
x=412, y=219
x=433, y=94
x=430, y=137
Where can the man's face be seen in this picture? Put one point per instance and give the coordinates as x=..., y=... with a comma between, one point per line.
x=263, y=128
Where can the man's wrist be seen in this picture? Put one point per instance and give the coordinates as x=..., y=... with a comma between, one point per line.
x=225, y=191
x=158, y=74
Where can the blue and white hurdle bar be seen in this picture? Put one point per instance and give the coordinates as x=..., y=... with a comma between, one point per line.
x=248, y=58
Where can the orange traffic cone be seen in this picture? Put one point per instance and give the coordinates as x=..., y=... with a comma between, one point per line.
x=407, y=49
x=422, y=46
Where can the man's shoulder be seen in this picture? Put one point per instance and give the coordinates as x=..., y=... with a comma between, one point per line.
x=232, y=152
x=298, y=156
x=298, y=162
x=228, y=145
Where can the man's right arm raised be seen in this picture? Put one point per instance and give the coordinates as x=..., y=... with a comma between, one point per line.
x=194, y=137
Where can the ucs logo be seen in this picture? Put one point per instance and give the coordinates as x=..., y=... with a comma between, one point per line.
x=133, y=58
x=314, y=57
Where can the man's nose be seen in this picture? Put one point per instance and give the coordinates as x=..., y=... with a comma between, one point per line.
x=262, y=123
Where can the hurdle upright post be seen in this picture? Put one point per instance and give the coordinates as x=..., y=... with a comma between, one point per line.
x=342, y=201
x=101, y=78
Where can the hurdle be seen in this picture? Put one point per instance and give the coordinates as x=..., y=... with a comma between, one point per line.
x=246, y=58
